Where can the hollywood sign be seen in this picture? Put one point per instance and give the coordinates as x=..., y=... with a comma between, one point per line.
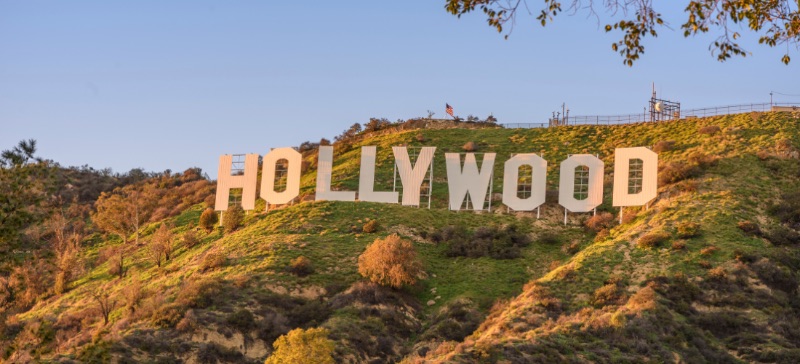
x=635, y=179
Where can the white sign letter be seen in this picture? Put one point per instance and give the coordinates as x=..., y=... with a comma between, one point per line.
x=411, y=178
x=366, y=181
x=293, y=159
x=247, y=182
x=635, y=176
x=324, y=171
x=590, y=182
x=469, y=179
x=511, y=180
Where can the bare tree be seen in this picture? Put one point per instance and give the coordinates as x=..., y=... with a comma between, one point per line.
x=160, y=246
x=105, y=304
x=67, y=229
x=132, y=294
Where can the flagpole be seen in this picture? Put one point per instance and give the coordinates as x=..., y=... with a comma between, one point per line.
x=449, y=110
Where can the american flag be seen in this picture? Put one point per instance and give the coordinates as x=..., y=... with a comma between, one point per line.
x=448, y=109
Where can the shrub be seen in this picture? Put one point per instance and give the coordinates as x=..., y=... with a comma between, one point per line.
x=132, y=294
x=723, y=323
x=744, y=257
x=188, y=323
x=678, y=245
x=688, y=230
x=470, y=147
x=566, y=272
x=420, y=137
x=241, y=320
x=167, y=316
x=676, y=171
x=651, y=240
x=781, y=235
x=213, y=259
x=689, y=186
x=601, y=221
x=498, y=243
x=606, y=295
x=449, y=233
x=775, y=276
x=272, y=326
x=208, y=219
x=365, y=293
x=643, y=299
x=704, y=263
x=211, y=353
x=199, y=293
x=548, y=238
x=628, y=215
x=663, y=146
x=701, y=159
x=601, y=235
x=717, y=274
x=370, y=227
x=390, y=262
x=572, y=248
x=233, y=217
x=455, y=321
x=300, y=346
x=190, y=239
x=311, y=313
x=788, y=209
x=301, y=266
x=708, y=250
x=709, y=129
x=749, y=227
x=618, y=319
x=208, y=202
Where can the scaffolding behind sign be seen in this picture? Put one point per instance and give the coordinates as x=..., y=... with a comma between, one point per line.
x=426, y=188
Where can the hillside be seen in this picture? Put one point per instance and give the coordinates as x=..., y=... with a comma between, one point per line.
x=706, y=273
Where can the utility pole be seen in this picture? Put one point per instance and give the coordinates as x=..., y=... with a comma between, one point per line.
x=770, y=99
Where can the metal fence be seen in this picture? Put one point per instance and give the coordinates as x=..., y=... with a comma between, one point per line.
x=645, y=117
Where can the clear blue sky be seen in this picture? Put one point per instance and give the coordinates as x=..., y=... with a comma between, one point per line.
x=174, y=84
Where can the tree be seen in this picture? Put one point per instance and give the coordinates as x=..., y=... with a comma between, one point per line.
x=208, y=219
x=161, y=244
x=300, y=346
x=164, y=237
x=376, y=124
x=22, y=188
x=156, y=252
x=775, y=22
x=351, y=132
x=105, y=304
x=122, y=211
x=117, y=265
x=20, y=155
x=390, y=262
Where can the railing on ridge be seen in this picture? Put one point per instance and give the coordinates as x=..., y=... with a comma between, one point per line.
x=645, y=117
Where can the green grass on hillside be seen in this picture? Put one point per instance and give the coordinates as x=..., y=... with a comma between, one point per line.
x=746, y=179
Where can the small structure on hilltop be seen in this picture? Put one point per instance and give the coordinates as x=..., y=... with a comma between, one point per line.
x=661, y=110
